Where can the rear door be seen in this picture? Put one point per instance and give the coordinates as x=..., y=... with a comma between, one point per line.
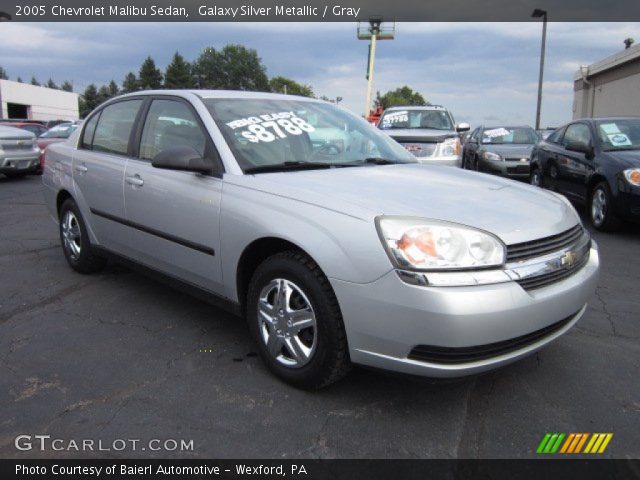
x=175, y=215
x=98, y=170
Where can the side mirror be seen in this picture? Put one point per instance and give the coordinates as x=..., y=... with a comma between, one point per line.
x=580, y=147
x=181, y=158
x=463, y=127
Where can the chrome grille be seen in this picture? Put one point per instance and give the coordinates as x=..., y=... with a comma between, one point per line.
x=552, y=277
x=536, y=248
x=420, y=149
x=17, y=144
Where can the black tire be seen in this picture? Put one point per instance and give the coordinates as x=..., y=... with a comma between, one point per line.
x=329, y=360
x=600, y=209
x=536, y=178
x=85, y=259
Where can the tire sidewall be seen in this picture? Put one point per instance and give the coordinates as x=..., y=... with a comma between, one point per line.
x=607, y=222
x=82, y=263
x=290, y=269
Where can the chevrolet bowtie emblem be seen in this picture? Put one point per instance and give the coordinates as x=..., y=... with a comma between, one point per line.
x=568, y=260
x=20, y=142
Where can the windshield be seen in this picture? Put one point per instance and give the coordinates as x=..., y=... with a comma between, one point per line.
x=61, y=131
x=416, y=119
x=272, y=132
x=509, y=136
x=621, y=134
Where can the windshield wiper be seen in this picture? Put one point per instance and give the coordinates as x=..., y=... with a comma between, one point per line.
x=293, y=165
x=379, y=161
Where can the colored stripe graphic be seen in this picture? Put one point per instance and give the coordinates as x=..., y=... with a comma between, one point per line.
x=572, y=443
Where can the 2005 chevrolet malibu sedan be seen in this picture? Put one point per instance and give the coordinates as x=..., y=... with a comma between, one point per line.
x=328, y=236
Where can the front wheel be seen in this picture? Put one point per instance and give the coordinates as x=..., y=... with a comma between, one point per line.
x=77, y=248
x=536, y=178
x=600, y=208
x=294, y=317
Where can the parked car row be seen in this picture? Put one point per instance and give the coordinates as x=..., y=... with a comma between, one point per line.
x=23, y=145
x=594, y=162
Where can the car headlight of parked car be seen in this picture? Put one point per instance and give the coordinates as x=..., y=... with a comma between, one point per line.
x=450, y=147
x=491, y=156
x=422, y=244
x=633, y=176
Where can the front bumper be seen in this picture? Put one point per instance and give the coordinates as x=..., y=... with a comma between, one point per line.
x=386, y=319
x=455, y=161
x=506, y=168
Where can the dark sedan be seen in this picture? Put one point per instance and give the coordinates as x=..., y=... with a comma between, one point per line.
x=596, y=162
x=499, y=150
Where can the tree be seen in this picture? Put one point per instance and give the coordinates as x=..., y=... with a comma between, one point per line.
x=400, y=97
x=178, y=73
x=103, y=94
x=19, y=80
x=3, y=74
x=130, y=83
x=235, y=67
x=290, y=87
x=90, y=100
x=35, y=82
x=51, y=84
x=67, y=86
x=150, y=77
x=113, y=89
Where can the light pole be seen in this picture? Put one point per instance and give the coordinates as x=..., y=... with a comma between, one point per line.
x=373, y=32
x=537, y=13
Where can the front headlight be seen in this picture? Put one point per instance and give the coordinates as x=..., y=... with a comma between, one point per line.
x=450, y=147
x=421, y=244
x=491, y=156
x=633, y=176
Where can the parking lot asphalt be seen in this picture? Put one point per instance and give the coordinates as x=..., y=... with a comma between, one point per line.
x=117, y=355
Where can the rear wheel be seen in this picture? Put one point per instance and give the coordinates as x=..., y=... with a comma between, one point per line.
x=601, y=208
x=295, y=319
x=77, y=248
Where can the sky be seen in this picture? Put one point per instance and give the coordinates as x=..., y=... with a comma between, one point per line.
x=484, y=73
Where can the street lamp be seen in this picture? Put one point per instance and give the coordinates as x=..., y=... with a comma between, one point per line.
x=373, y=31
x=537, y=13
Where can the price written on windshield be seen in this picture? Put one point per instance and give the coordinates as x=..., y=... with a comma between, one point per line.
x=270, y=126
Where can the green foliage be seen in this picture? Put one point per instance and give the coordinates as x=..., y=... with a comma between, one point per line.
x=35, y=82
x=400, y=97
x=150, y=77
x=51, y=84
x=178, y=73
x=130, y=83
x=66, y=86
x=90, y=100
x=290, y=87
x=3, y=74
x=235, y=67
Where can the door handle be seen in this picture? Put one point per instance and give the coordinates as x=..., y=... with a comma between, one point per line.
x=135, y=180
x=80, y=168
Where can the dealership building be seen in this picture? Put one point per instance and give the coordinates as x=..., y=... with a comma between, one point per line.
x=610, y=87
x=26, y=101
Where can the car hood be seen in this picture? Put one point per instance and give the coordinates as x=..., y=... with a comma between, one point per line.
x=419, y=134
x=630, y=158
x=513, y=211
x=509, y=151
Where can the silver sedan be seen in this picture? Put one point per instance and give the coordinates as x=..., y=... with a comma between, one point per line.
x=327, y=236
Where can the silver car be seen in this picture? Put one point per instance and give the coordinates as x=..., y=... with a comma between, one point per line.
x=19, y=152
x=337, y=248
x=428, y=132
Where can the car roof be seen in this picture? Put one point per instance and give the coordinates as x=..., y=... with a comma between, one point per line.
x=220, y=94
x=505, y=126
x=418, y=107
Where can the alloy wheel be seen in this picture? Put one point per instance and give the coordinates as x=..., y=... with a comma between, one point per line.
x=71, y=235
x=598, y=207
x=287, y=323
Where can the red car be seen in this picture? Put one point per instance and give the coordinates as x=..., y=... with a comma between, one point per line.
x=57, y=134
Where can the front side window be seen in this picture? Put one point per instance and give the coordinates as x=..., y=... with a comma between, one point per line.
x=114, y=127
x=416, y=119
x=577, y=133
x=509, y=135
x=271, y=132
x=555, y=136
x=170, y=123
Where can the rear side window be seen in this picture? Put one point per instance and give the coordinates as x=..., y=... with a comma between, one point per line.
x=114, y=127
x=170, y=123
x=87, y=135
